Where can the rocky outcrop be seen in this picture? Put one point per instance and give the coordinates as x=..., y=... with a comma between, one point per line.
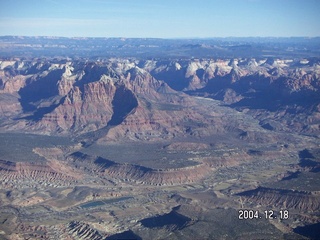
x=242, y=75
x=285, y=90
x=140, y=174
x=79, y=97
x=300, y=200
x=35, y=232
x=20, y=174
x=80, y=230
x=86, y=110
x=143, y=100
x=158, y=177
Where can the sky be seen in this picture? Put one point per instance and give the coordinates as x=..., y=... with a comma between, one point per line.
x=160, y=18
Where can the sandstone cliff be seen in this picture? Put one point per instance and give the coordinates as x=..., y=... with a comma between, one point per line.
x=142, y=100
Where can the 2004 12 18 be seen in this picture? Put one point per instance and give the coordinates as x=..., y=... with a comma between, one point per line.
x=247, y=214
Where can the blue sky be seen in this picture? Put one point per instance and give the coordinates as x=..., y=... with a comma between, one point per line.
x=160, y=18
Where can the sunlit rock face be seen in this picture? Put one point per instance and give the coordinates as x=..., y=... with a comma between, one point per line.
x=144, y=100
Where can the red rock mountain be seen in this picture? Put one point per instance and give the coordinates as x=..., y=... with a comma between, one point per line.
x=143, y=100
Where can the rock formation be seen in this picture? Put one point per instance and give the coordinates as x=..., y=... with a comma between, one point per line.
x=135, y=99
x=140, y=174
x=288, y=199
x=24, y=173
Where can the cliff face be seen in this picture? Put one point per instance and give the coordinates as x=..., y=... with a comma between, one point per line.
x=285, y=90
x=62, y=98
x=114, y=100
x=139, y=174
x=294, y=75
x=131, y=99
x=81, y=110
x=21, y=174
x=303, y=201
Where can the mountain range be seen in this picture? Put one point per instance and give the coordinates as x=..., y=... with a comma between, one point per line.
x=135, y=99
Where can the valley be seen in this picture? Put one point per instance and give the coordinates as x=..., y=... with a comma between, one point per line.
x=97, y=147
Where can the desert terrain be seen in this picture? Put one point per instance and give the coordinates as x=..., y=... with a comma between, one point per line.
x=179, y=146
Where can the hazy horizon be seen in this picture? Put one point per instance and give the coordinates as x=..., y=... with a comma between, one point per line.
x=164, y=38
x=160, y=19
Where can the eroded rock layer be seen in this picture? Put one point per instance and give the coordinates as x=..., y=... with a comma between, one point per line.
x=81, y=230
x=13, y=173
x=142, y=100
x=140, y=174
x=303, y=201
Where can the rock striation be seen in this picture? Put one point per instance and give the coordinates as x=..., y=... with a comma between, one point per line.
x=120, y=99
x=140, y=174
x=300, y=200
x=80, y=230
x=20, y=174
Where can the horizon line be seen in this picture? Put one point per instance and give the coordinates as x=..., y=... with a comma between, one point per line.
x=164, y=38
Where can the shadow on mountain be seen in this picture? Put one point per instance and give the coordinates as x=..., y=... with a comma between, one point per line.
x=267, y=126
x=104, y=163
x=259, y=92
x=40, y=112
x=123, y=103
x=93, y=73
x=307, y=160
x=308, y=163
x=171, y=221
x=291, y=176
x=261, y=190
x=174, y=78
x=305, y=154
x=39, y=89
x=309, y=231
x=36, y=68
x=128, y=235
x=272, y=100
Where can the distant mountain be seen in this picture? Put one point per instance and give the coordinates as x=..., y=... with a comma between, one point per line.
x=142, y=48
x=145, y=100
x=114, y=99
x=159, y=138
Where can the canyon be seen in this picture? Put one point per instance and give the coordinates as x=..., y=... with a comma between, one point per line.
x=96, y=147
